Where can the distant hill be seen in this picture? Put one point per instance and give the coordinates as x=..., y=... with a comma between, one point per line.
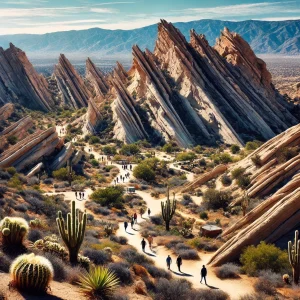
x=271, y=37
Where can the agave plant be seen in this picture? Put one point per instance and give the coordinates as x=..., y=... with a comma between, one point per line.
x=98, y=283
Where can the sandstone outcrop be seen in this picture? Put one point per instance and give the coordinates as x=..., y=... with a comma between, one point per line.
x=36, y=169
x=6, y=111
x=73, y=89
x=93, y=117
x=96, y=79
x=62, y=157
x=20, y=83
x=30, y=149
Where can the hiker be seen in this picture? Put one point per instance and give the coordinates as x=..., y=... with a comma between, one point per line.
x=130, y=167
x=143, y=244
x=149, y=212
x=135, y=218
x=76, y=195
x=79, y=195
x=123, y=179
x=125, y=225
x=169, y=261
x=132, y=222
x=117, y=179
x=203, y=274
x=150, y=241
x=179, y=262
x=82, y=195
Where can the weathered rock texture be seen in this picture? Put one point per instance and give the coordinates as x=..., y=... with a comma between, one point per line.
x=6, y=111
x=62, y=157
x=193, y=93
x=73, y=89
x=20, y=83
x=279, y=213
x=93, y=117
x=30, y=149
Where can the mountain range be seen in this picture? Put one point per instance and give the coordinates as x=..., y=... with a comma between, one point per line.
x=264, y=37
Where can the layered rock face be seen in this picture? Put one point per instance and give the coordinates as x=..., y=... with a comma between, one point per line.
x=6, y=111
x=97, y=79
x=93, y=117
x=20, y=83
x=74, y=92
x=279, y=213
x=30, y=149
x=192, y=93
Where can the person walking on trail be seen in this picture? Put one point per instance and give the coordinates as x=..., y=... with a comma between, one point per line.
x=169, y=261
x=117, y=180
x=130, y=167
x=125, y=225
x=79, y=195
x=76, y=194
x=82, y=195
x=179, y=262
x=132, y=222
x=135, y=218
x=203, y=274
x=149, y=212
x=150, y=241
x=143, y=244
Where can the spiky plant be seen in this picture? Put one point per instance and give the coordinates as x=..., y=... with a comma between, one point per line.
x=31, y=273
x=13, y=231
x=73, y=233
x=168, y=210
x=294, y=257
x=98, y=283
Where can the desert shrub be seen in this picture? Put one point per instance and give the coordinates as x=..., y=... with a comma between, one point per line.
x=98, y=257
x=168, y=148
x=264, y=286
x=11, y=170
x=5, y=262
x=134, y=257
x=94, y=140
x=95, y=163
x=144, y=172
x=234, y=149
x=226, y=180
x=130, y=149
x=172, y=289
x=122, y=271
x=228, y=270
x=59, y=267
x=109, y=150
x=110, y=196
x=206, y=244
x=286, y=153
x=216, y=199
x=264, y=256
x=186, y=156
x=157, y=272
x=157, y=220
x=203, y=215
x=236, y=173
x=12, y=139
x=119, y=239
x=250, y=146
x=15, y=182
x=186, y=200
x=188, y=254
x=21, y=207
x=208, y=294
x=256, y=160
x=48, y=181
x=223, y=158
x=243, y=181
x=34, y=235
x=33, y=180
x=275, y=279
x=60, y=174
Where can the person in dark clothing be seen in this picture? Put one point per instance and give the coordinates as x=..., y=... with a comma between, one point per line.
x=135, y=218
x=79, y=195
x=76, y=195
x=143, y=244
x=149, y=212
x=130, y=167
x=179, y=262
x=169, y=261
x=125, y=225
x=203, y=274
x=132, y=222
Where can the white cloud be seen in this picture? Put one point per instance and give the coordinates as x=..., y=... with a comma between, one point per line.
x=104, y=10
x=88, y=21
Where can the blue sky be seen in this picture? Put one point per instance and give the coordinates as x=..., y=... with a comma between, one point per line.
x=41, y=16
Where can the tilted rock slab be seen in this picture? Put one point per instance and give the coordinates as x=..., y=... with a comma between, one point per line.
x=36, y=169
x=6, y=111
x=20, y=83
x=92, y=117
x=62, y=157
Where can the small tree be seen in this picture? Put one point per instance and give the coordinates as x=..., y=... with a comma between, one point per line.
x=168, y=210
x=143, y=171
x=234, y=149
x=12, y=139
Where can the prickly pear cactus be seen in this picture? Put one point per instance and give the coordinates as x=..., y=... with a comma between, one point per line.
x=31, y=273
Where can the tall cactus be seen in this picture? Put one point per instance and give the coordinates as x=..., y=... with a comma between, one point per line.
x=168, y=210
x=73, y=233
x=294, y=253
x=31, y=273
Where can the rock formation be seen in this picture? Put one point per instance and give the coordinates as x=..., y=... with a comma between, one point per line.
x=279, y=213
x=62, y=157
x=20, y=83
x=6, y=111
x=73, y=89
x=36, y=169
x=30, y=149
x=97, y=79
x=93, y=117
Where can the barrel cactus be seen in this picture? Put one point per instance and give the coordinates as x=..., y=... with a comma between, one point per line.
x=13, y=231
x=31, y=273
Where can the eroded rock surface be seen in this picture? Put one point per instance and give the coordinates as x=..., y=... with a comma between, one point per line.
x=6, y=111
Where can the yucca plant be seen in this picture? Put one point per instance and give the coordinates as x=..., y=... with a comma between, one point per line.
x=98, y=283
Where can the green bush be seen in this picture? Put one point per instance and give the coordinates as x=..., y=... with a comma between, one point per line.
x=203, y=215
x=256, y=160
x=60, y=174
x=11, y=170
x=95, y=163
x=143, y=171
x=286, y=154
x=15, y=182
x=243, y=181
x=110, y=196
x=186, y=156
x=168, y=148
x=130, y=149
x=236, y=173
x=223, y=158
x=109, y=150
x=198, y=149
x=216, y=199
x=226, y=180
x=264, y=257
x=250, y=146
x=12, y=139
x=235, y=149
x=94, y=140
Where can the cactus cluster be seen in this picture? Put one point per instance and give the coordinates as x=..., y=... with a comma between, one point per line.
x=72, y=233
x=13, y=231
x=168, y=210
x=108, y=229
x=36, y=223
x=51, y=247
x=31, y=273
x=294, y=253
